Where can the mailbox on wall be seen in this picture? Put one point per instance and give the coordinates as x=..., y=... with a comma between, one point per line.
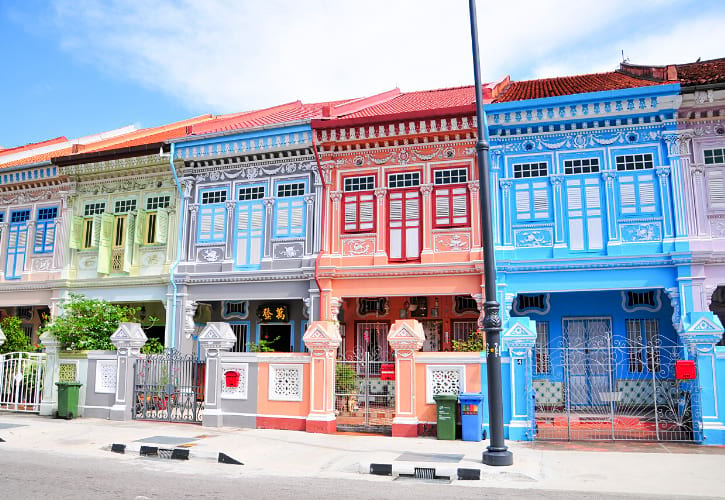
x=685, y=370
x=387, y=372
x=232, y=378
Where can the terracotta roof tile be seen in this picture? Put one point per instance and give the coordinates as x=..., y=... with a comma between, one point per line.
x=37, y=158
x=568, y=85
x=702, y=73
x=34, y=145
x=420, y=101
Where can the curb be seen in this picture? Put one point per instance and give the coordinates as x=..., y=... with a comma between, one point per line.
x=173, y=453
x=421, y=471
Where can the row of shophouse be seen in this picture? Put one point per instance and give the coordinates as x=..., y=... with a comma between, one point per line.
x=608, y=202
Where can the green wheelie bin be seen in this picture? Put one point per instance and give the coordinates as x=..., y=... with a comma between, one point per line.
x=446, y=415
x=67, y=399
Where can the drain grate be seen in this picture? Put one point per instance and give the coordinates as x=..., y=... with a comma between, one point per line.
x=425, y=473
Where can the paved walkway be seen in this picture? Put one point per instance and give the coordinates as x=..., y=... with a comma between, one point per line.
x=633, y=468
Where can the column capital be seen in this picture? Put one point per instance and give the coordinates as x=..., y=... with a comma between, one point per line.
x=608, y=176
x=268, y=202
x=230, y=204
x=474, y=187
x=556, y=179
x=678, y=142
x=697, y=169
x=505, y=184
x=406, y=336
x=336, y=196
x=663, y=171
x=380, y=193
x=193, y=208
x=426, y=189
x=309, y=199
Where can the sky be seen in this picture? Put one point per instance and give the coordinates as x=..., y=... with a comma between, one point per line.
x=78, y=67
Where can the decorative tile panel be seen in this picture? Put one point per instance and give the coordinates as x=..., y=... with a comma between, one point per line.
x=440, y=379
x=240, y=391
x=285, y=382
x=106, y=376
x=67, y=372
x=549, y=392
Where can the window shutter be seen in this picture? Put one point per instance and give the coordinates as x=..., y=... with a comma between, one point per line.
x=140, y=235
x=443, y=213
x=523, y=202
x=205, y=220
x=76, y=233
x=298, y=216
x=105, y=243
x=594, y=217
x=242, y=234
x=541, y=201
x=367, y=212
x=647, y=196
x=412, y=224
x=350, y=205
x=20, y=250
x=628, y=200
x=162, y=225
x=129, y=243
x=716, y=189
x=460, y=206
x=576, y=222
x=96, y=230
x=39, y=237
x=256, y=235
x=396, y=225
x=283, y=217
x=220, y=214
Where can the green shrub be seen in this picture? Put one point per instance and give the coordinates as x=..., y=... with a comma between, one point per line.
x=153, y=346
x=345, y=379
x=476, y=342
x=15, y=338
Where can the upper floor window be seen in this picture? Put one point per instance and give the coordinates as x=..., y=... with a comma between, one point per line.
x=92, y=209
x=450, y=176
x=91, y=224
x=152, y=225
x=714, y=156
x=289, y=210
x=45, y=230
x=525, y=170
x=404, y=179
x=213, y=196
x=581, y=166
x=451, y=202
x=19, y=216
x=359, y=204
x=125, y=206
x=364, y=183
x=289, y=189
x=212, y=216
x=532, y=201
x=249, y=193
x=156, y=202
x=637, y=194
x=635, y=161
x=2, y=216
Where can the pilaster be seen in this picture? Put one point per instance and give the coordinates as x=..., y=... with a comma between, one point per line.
x=427, y=221
x=519, y=339
x=216, y=338
x=405, y=338
x=129, y=338
x=49, y=398
x=322, y=338
x=381, y=256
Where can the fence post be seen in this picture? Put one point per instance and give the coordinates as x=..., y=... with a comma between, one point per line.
x=48, y=401
x=129, y=338
x=701, y=331
x=215, y=337
x=519, y=339
x=405, y=337
x=322, y=338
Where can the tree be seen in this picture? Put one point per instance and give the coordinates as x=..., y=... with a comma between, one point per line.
x=15, y=338
x=87, y=324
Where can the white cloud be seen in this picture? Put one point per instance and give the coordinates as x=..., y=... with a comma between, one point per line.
x=227, y=55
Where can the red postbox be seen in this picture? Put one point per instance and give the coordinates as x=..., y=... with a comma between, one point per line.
x=685, y=370
x=387, y=372
x=232, y=378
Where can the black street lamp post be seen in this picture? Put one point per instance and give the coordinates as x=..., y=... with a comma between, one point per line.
x=496, y=453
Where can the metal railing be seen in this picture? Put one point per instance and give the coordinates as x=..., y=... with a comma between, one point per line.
x=21, y=381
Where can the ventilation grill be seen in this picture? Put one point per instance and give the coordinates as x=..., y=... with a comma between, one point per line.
x=425, y=473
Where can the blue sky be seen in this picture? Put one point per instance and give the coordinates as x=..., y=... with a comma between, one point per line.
x=78, y=67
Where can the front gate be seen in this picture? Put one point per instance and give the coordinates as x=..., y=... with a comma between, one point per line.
x=365, y=394
x=598, y=388
x=169, y=387
x=21, y=381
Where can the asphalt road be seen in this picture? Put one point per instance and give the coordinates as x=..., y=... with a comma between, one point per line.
x=30, y=475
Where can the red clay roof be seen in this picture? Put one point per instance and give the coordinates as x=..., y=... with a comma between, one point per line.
x=32, y=146
x=423, y=100
x=702, y=73
x=568, y=85
x=289, y=112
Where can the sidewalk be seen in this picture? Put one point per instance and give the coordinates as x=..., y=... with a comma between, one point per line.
x=633, y=468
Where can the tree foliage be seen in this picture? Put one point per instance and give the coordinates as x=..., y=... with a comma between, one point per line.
x=87, y=324
x=476, y=342
x=15, y=338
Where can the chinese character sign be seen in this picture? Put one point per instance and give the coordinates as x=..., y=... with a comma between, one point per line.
x=273, y=313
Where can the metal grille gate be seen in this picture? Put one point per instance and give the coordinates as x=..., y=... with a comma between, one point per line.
x=169, y=387
x=621, y=389
x=364, y=402
x=21, y=381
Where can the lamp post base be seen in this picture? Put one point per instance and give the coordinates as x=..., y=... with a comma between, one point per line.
x=498, y=458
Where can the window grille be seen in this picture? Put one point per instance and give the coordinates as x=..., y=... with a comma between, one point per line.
x=290, y=189
x=125, y=206
x=531, y=302
x=525, y=170
x=156, y=202
x=365, y=183
x=635, y=162
x=404, y=179
x=450, y=176
x=240, y=330
x=714, y=156
x=47, y=213
x=19, y=216
x=247, y=193
x=641, y=298
x=462, y=329
x=92, y=209
x=463, y=303
x=211, y=197
x=543, y=361
x=643, y=344
x=581, y=166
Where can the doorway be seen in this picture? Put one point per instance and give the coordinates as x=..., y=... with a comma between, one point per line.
x=279, y=336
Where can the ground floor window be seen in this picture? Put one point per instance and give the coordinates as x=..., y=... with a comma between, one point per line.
x=643, y=344
x=543, y=362
x=372, y=337
x=241, y=330
x=462, y=329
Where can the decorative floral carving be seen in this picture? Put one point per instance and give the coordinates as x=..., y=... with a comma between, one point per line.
x=89, y=262
x=287, y=250
x=210, y=254
x=533, y=238
x=455, y=242
x=42, y=264
x=358, y=246
x=648, y=231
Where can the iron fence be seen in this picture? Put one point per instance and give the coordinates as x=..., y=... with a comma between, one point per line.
x=21, y=381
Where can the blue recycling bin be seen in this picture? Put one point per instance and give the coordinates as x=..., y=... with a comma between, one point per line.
x=471, y=415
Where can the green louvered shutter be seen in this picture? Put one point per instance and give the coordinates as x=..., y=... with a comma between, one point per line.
x=128, y=246
x=76, y=233
x=140, y=235
x=105, y=243
x=162, y=226
x=96, y=230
